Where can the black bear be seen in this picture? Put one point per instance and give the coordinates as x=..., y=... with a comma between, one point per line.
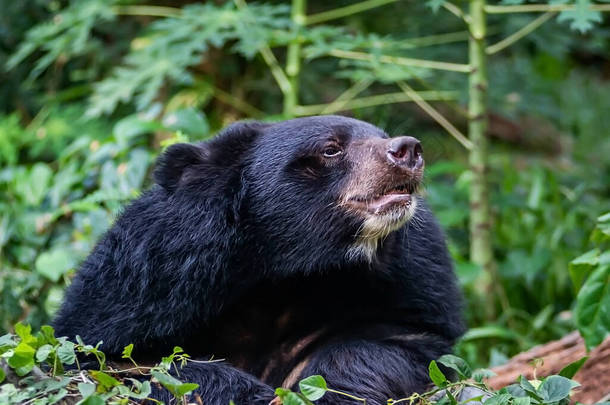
x=288, y=249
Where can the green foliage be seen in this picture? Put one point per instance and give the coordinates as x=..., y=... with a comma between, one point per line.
x=591, y=271
x=27, y=354
x=554, y=389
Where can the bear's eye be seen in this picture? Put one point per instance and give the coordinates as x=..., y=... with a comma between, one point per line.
x=332, y=151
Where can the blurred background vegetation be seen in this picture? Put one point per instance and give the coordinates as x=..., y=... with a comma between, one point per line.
x=91, y=90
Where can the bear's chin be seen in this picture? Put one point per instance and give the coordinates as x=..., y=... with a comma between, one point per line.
x=377, y=226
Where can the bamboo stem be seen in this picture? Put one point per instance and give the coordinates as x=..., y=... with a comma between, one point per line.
x=397, y=60
x=524, y=31
x=293, y=58
x=372, y=101
x=345, y=11
x=437, y=116
x=237, y=103
x=481, y=252
x=540, y=8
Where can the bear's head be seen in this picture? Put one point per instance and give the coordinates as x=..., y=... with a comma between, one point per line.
x=310, y=192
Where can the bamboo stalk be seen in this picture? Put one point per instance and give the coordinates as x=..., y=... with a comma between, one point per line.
x=480, y=216
x=345, y=11
x=456, y=11
x=293, y=59
x=397, y=60
x=348, y=95
x=372, y=101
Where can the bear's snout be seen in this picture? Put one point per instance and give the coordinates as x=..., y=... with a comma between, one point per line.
x=405, y=152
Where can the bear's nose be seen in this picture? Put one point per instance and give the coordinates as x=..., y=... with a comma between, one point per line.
x=405, y=151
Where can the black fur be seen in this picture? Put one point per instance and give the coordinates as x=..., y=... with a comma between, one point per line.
x=240, y=252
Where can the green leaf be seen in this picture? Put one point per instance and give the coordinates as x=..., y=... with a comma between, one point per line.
x=457, y=364
x=2, y=374
x=47, y=335
x=188, y=120
x=292, y=398
x=527, y=386
x=313, y=387
x=43, y=352
x=282, y=392
x=582, y=17
x=498, y=399
x=480, y=374
x=571, y=369
x=25, y=333
x=175, y=386
x=86, y=389
x=53, y=264
x=436, y=375
x=65, y=352
x=592, y=310
x=522, y=401
x=127, y=351
x=23, y=356
x=106, y=382
x=555, y=388
x=93, y=400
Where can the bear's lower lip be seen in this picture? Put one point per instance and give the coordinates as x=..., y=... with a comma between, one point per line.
x=384, y=203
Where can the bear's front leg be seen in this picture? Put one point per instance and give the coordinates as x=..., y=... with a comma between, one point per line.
x=375, y=370
x=219, y=383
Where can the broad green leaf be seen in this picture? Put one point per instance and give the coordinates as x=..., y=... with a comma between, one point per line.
x=522, y=401
x=2, y=374
x=498, y=399
x=47, y=335
x=53, y=264
x=313, y=387
x=188, y=120
x=529, y=389
x=175, y=386
x=436, y=375
x=43, y=352
x=292, y=398
x=93, y=400
x=457, y=364
x=25, y=333
x=555, y=388
x=86, y=389
x=571, y=369
x=106, y=382
x=592, y=311
x=65, y=353
x=282, y=392
x=23, y=356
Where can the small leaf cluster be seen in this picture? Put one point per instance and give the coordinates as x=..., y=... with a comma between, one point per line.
x=24, y=356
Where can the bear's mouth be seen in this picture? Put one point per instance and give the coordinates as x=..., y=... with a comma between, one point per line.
x=395, y=197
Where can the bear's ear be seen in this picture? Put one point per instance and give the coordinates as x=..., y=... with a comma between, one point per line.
x=172, y=164
x=225, y=150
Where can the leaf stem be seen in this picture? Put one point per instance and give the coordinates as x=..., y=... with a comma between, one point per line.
x=371, y=101
x=363, y=400
x=345, y=11
x=537, y=8
x=293, y=58
x=398, y=60
x=437, y=116
x=524, y=31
